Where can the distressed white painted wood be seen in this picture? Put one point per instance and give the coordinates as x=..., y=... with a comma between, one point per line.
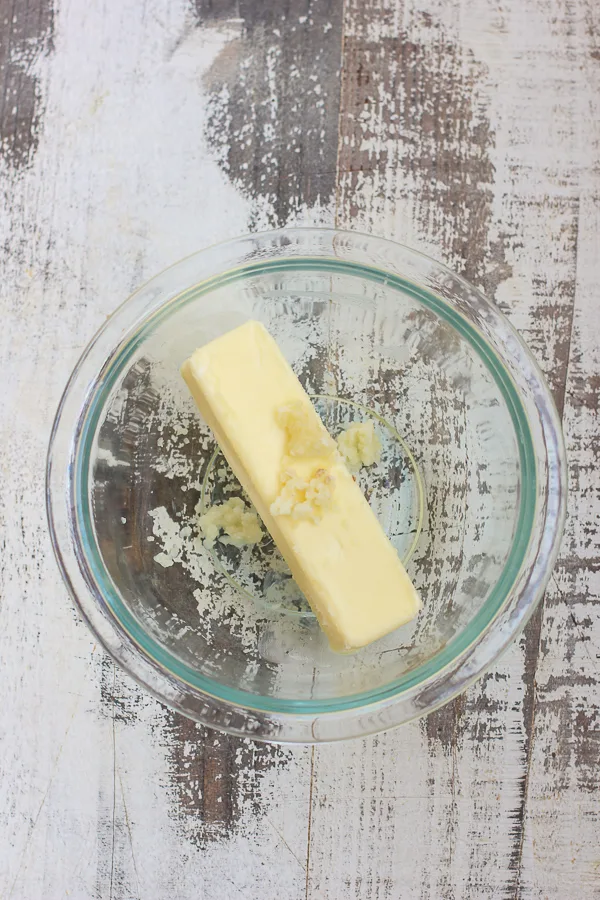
x=449, y=795
x=466, y=128
x=121, y=184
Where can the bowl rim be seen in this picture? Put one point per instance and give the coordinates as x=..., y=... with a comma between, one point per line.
x=277, y=720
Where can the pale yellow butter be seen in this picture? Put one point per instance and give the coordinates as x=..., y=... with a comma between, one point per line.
x=272, y=437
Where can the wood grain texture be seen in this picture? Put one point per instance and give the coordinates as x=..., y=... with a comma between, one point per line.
x=563, y=817
x=103, y=793
x=132, y=134
x=453, y=142
x=274, y=102
x=25, y=35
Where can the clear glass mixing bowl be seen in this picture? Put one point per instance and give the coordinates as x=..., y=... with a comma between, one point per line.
x=470, y=487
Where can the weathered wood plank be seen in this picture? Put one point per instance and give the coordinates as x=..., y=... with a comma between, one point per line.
x=453, y=139
x=563, y=820
x=104, y=793
x=25, y=35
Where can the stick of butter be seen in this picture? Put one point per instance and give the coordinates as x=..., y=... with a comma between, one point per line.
x=291, y=469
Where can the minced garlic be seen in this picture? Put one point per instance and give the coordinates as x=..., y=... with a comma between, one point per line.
x=303, y=499
x=359, y=445
x=240, y=524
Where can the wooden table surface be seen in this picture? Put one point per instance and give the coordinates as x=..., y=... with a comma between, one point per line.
x=136, y=131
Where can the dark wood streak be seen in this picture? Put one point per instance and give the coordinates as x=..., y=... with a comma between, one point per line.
x=26, y=31
x=423, y=93
x=215, y=777
x=273, y=112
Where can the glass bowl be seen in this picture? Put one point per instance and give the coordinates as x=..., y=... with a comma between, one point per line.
x=470, y=487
